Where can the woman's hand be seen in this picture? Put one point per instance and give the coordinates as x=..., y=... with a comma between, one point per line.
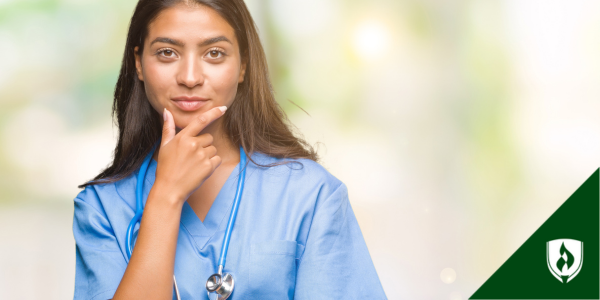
x=186, y=159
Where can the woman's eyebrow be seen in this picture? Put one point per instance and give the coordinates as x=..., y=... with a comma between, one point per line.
x=181, y=44
x=168, y=41
x=214, y=40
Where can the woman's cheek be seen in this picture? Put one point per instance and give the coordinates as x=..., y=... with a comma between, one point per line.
x=156, y=85
x=225, y=82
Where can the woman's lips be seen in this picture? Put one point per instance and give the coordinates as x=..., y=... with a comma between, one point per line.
x=189, y=103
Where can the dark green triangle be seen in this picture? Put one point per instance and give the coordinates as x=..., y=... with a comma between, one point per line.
x=525, y=275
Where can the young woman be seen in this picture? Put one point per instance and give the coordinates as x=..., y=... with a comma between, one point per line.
x=192, y=101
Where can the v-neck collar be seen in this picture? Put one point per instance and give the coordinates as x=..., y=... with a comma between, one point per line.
x=217, y=215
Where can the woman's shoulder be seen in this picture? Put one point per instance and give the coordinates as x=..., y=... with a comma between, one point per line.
x=101, y=195
x=295, y=167
x=298, y=175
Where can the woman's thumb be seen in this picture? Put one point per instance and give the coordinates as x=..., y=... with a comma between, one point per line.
x=168, y=132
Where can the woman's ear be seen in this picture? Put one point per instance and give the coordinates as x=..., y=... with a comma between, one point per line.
x=138, y=63
x=242, y=72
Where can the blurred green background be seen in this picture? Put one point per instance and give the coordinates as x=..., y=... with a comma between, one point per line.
x=458, y=126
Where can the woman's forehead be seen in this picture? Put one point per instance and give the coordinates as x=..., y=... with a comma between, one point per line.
x=190, y=24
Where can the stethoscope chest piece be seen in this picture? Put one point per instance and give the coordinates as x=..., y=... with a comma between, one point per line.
x=219, y=286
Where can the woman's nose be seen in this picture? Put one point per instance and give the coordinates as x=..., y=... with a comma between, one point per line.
x=190, y=72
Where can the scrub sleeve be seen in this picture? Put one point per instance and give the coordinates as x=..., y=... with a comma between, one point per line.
x=336, y=263
x=100, y=264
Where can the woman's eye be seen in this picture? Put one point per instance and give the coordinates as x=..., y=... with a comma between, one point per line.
x=166, y=53
x=215, y=54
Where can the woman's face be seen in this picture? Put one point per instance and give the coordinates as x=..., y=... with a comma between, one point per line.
x=190, y=63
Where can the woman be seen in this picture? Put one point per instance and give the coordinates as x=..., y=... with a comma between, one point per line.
x=194, y=83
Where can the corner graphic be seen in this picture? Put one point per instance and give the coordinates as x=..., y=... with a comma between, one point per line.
x=564, y=258
x=562, y=273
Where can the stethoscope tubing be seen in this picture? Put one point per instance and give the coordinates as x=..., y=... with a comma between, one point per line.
x=139, y=204
x=234, y=210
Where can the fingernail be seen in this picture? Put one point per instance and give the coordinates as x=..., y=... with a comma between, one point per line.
x=165, y=114
x=223, y=108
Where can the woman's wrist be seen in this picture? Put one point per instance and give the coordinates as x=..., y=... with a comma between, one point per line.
x=165, y=195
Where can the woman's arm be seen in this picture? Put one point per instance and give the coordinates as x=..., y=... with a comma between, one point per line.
x=149, y=274
x=185, y=161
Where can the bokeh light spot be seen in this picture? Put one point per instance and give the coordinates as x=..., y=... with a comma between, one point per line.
x=371, y=40
x=455, y=296
x=448, y=275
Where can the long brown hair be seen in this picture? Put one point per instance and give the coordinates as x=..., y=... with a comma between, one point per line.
x=254, y=120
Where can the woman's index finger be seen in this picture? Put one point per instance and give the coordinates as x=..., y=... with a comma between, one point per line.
x=203, y=120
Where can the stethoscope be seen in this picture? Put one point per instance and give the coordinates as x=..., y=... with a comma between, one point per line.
x=219, y=285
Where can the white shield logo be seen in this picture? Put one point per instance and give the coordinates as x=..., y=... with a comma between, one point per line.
x=564, y=258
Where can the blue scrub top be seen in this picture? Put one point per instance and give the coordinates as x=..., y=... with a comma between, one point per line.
x=295, y=236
